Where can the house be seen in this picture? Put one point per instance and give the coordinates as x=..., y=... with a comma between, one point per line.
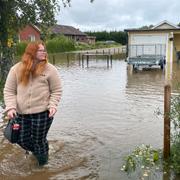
x=90, y=39
x=33, y=33
x=29, y=33
x=72, y=33
x=163, y=39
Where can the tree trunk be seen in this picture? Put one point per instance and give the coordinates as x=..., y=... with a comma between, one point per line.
x=6, y=53
x=6, y=61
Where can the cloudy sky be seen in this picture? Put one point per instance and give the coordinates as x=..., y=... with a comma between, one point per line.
x=118, y=14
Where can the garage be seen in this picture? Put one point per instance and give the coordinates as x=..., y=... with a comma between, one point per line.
x=155, y=45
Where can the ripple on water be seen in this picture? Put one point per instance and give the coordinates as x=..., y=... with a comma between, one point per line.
x=63, y=157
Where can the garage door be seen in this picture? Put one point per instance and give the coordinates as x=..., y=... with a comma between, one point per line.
x=147, y=44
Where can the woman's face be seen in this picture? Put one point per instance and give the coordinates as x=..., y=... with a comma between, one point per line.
x=41, y=53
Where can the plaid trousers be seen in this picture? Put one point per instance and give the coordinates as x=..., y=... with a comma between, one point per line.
x=33, y=132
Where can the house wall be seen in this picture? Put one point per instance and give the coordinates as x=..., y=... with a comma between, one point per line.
x=77, y=38
x=141, y=43
x=91, y=41
x=165, y=26
x=28, y=33
x=171, y=46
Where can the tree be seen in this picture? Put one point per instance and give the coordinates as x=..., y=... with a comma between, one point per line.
x=146, y=27
x=15, y=14
x=117, y=36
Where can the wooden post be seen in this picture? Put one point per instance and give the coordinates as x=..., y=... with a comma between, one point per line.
x=103, y=51
x=110, y=57
x=82, y=60
x=96, y=55
x=79, y=59
x=53, y=59
x=167, y=105
x=87, y=60
x=68, y=59
x=107, y=61
x=114, y=51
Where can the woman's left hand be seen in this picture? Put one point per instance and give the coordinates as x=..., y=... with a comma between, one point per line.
x=52, y=111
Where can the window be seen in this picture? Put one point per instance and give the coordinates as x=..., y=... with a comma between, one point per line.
x=32, y=37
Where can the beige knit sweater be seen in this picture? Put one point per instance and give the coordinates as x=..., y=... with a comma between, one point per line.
x=38, y=95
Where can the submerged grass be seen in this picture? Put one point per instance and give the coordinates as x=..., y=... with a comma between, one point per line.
x=144, y=159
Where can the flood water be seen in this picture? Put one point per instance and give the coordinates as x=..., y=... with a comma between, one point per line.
x=103, y=115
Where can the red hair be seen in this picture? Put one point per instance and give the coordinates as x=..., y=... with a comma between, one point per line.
x=28, y=59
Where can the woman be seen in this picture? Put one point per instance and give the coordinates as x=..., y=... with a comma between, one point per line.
x=32, y=92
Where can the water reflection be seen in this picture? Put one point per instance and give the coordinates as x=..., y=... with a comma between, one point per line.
x=104, y=114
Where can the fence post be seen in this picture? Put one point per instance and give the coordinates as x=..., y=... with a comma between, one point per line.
x=87, y=60
x=82, y=60
x=107, y=61
x=68, y=59
x=96, y=54
x=79, y=59
x=167, y=106
x=110, y=57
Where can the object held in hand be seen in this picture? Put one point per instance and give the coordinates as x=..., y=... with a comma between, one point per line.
x=11, y=131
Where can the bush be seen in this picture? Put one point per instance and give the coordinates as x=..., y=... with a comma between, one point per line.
x=175, y=132
x=60, y=44
x=83, y=46
x=20, y=48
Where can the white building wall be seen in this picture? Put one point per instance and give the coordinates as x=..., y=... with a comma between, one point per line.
x=147, y=44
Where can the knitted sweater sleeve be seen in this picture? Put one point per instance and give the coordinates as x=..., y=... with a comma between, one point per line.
x=55, y=87
x=10, y=91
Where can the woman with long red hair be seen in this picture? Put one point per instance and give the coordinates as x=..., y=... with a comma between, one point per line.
x=32, y=92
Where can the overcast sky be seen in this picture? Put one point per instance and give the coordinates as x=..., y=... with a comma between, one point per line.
x=118, y=14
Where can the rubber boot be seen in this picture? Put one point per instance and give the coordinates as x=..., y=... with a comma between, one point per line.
x=42, y=159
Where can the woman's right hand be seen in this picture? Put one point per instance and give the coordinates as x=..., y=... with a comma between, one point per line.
x=11, y=113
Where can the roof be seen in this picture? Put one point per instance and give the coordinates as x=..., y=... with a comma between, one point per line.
x=31, y=25
x=162, y=26
x=150, y=30
x=165, y=22
x=35, y=27
x=66, y=30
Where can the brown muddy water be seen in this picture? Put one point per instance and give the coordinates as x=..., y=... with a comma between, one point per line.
x=104, y=114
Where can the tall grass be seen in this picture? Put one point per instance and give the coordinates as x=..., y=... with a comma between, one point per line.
x=55, y=45
x=60, y=44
